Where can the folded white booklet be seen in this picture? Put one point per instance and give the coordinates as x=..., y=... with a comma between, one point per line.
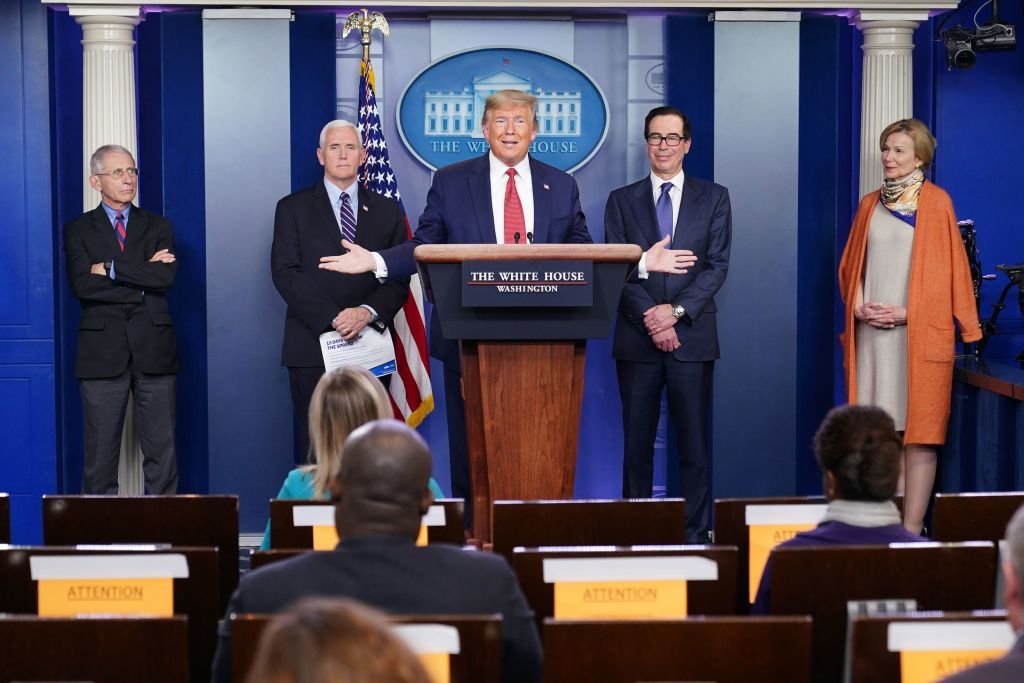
x=371, y=350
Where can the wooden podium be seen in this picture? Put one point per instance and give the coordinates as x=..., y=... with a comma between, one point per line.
x=522, y=363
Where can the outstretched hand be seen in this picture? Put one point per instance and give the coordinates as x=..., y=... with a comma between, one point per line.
x=661, y=259
x=357, y=260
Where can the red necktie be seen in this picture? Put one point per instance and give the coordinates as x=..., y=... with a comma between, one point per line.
x=515, y=221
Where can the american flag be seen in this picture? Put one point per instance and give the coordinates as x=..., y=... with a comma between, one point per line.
x=412, y=398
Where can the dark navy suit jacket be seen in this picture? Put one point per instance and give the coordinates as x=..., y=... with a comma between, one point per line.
x=459, y=211
x=304, y=230
x=392, y=574
x=704, y=226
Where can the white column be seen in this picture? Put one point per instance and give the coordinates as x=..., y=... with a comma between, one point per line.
x=108, y=82
x=887, y=87
x=108, y=117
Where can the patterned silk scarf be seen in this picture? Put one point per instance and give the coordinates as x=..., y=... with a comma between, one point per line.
x=900, y=195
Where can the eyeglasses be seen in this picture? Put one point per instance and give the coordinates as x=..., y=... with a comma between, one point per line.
x=119, y=173
x=672, y=140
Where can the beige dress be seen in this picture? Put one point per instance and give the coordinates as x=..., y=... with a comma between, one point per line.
x=882, y=354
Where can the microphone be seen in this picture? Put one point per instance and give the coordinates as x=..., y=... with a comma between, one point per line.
x=515, y=236
x=529, y=237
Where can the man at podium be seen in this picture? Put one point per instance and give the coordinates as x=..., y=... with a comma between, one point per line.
x=666, y=337
x=502, y=197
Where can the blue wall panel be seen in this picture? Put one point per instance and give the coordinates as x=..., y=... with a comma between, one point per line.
x=27, y=411
x=978, y=125
x=66, y=87
x=824, y=205
x=313, y=90
x=170, y=87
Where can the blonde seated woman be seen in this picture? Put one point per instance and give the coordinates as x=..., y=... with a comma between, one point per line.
x=343, y=401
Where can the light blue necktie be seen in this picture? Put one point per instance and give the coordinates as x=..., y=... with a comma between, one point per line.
x=664, y=209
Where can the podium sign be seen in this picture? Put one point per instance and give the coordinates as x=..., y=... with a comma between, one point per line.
x=522, y=359
x=528, y=283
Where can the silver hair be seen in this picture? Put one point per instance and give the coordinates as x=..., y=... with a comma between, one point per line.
x=96, y=160
x=339, y=123
x=1015, y=544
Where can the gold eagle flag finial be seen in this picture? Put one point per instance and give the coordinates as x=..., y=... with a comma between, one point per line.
x=365, y=21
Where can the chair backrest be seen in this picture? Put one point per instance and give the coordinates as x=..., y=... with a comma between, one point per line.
x=703, y=597
x=94, y=649
x=872, y=661
x=721, y=649
x=5, y=518
x=537, y=523
x=178, y=520
x=731, y=529
x=820, y=581
x=284, y=535
x=973, y=516
x=261, y=558
x=194, y=597
x=479, y=659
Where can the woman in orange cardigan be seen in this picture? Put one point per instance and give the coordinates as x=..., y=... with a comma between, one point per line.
x=904, y=278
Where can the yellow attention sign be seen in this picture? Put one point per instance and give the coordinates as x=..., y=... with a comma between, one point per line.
x=925, y=666
x=643, y=599
x=324, y=537
x=438, y=666
x=763, y=538
x=74, y=597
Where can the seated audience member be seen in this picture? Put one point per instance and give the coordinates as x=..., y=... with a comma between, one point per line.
x=343, y=400
x=859, y=452
x=380, y=495
x=1011, y=666
x=333, y=640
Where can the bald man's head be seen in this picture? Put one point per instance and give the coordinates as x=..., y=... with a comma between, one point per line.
x=383, y=484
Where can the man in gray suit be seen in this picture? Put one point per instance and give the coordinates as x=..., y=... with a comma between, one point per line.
x=1009, y=668
x=381, y=495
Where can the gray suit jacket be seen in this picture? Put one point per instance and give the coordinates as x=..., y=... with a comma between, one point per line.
x=392, y=574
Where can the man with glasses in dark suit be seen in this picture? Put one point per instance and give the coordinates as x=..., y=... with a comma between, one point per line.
x=120, y=264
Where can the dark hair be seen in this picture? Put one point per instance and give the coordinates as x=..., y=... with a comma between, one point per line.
x=327, y=640
x=860, y=447
x=667, y=111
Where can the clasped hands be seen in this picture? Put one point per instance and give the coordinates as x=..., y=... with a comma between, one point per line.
x=660, y=325
x=882, y=316
x=351, y=321
x=161, y=256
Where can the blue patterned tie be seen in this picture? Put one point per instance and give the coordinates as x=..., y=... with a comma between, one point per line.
x=347, y=218
x=664, y=209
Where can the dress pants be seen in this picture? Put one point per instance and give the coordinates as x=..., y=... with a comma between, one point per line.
x=458, y=451
x=104, y=402
x=688, y=385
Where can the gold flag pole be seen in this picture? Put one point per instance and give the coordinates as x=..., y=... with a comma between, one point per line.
x=365, y=21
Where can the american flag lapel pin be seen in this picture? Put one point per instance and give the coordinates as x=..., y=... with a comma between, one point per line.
x=365, y=209
x=546, y=186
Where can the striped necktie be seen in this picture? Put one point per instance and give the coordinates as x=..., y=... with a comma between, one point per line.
x=119, y=228
x=347, y=218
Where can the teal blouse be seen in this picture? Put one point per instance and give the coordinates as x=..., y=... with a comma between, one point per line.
x=298, y=485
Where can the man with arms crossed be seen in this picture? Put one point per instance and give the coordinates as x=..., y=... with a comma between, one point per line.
x=310, y=224
x=666, y=336
x=120, y=264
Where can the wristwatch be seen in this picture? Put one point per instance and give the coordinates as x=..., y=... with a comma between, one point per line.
x=107, y=265
x=678, y=312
